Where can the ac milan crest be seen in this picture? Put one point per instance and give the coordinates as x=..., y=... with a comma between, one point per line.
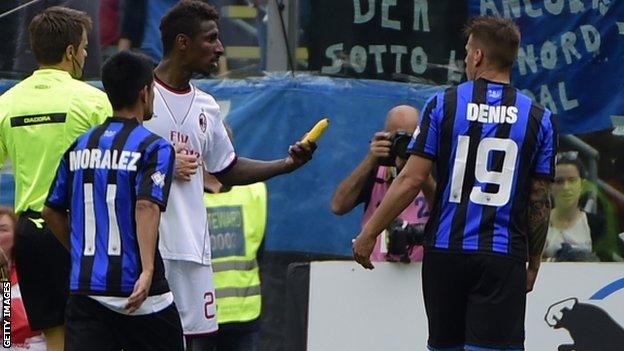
x=202, y=122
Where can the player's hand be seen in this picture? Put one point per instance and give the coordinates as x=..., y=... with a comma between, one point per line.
x=362, y=249
x=380, y=145
x=299, y=154
x=140, y=292
x=532, y=271
x=185, y=164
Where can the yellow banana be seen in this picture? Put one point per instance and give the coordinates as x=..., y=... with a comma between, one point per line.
x=315, y=133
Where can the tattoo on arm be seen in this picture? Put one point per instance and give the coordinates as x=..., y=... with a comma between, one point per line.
x=538, y=215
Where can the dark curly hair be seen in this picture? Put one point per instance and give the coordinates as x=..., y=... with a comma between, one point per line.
x=184, y=18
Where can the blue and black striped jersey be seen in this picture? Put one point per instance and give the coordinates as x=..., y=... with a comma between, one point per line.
x=99, y=180
x=487, y=140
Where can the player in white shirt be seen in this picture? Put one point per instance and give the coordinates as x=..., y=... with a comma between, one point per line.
x=191, y=120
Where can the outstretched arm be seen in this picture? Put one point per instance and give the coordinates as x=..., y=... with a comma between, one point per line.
x=248, y=171
x=538, y=213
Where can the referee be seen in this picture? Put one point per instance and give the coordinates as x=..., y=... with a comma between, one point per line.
x=114, y=181
x=39, y=118
x=494, y=151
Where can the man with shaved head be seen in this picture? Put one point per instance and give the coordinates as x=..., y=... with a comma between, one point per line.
x=371, y=179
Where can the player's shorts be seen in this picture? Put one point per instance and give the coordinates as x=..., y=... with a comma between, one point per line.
x=94, y=327
x=194, y=294
x=474, y=300
x=43, y=266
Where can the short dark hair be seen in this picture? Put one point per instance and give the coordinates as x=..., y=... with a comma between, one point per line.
x=184, y=18
x=124, y=75
x=54, y=29
x=498, y=37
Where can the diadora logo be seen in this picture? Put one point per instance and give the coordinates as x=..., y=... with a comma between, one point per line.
x=495, y=94
x=158, y=178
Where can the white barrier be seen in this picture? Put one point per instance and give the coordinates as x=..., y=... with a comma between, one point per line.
x=354, y=309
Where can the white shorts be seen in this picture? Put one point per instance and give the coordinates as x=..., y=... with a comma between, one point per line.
x=194, y=296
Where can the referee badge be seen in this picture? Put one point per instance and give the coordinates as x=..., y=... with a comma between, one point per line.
x=202, y=122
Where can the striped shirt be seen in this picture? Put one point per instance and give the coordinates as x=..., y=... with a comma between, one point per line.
x=488, y=140
x=99, y=180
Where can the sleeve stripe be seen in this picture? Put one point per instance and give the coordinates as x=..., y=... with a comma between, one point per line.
x=226, y=169
x=421, y=140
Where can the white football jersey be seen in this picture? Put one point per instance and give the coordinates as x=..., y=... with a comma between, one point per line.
x=193, y=118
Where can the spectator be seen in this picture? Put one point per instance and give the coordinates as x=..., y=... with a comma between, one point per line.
x=370, y=181
x=121, y=25
x=25, y=60
x=22, y=337
x=39, y=118
x=8, y=35
x=236, y=250
x=573, y=234
x=151, y=45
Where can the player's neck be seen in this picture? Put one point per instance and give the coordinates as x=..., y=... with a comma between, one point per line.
x=494, y=76
x=134, y=113
x=173, y=74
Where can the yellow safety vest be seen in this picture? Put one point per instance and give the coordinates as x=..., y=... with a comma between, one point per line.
x=237, y=220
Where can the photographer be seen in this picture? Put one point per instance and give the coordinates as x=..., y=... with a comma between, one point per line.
x=370, y=181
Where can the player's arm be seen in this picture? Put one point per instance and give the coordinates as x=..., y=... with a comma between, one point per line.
x=401, y=193
x=58, y=222
x=147, y=216
x=247, y=171
x=538, y=214
x=428, y=190
x=57, y=203
x=153, y=185
x=348, y=191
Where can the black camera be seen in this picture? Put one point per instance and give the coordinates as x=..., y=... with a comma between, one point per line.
x=402, y=237
x=400, y=140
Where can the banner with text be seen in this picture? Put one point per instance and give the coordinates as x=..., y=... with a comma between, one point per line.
x=570, y=57
x=388, y=39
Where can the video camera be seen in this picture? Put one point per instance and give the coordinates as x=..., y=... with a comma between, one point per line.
x=400, y=140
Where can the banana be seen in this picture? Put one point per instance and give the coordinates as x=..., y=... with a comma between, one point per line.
x=315, y=133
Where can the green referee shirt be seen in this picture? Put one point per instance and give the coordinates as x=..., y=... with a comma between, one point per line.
x=40, y=118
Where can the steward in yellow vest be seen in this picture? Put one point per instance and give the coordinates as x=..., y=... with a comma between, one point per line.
x=237, y=220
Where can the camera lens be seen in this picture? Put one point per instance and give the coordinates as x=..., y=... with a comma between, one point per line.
x=400, y=145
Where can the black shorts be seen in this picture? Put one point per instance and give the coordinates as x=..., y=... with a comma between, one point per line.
x=94, y=327
x=476, y=300
x=43, y=265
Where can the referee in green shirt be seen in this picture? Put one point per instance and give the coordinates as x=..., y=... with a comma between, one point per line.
x=40, y=118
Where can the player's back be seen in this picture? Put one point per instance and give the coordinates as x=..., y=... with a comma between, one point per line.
x=488, y=140
x=39, y=118
x=110, y=167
